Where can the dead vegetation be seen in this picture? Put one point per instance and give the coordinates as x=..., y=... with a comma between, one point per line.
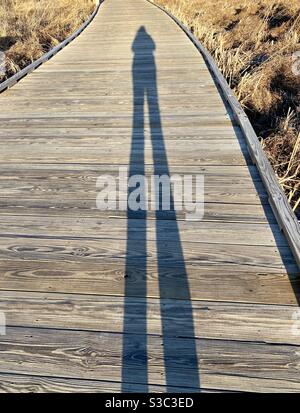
x=29, y=28
x=253, y=43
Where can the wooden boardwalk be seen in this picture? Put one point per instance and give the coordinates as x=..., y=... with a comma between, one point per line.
x=112, y=301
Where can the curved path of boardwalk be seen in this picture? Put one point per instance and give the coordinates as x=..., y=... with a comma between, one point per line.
x=147, y=301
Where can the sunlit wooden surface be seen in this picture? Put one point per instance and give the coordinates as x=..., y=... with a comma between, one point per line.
x=92, y=307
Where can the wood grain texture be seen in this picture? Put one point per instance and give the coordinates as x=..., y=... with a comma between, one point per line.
x=229, y=233
x=84, y=208
x=98, y=356
x=231, y=282
x=94, y=299
x=18, y=383
x=212, y=320
x=200, y=255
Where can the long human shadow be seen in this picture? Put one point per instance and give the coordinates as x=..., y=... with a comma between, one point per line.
x=180, y=355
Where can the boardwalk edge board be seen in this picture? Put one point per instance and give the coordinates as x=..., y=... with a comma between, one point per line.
x=279, y=203
x=47, y=56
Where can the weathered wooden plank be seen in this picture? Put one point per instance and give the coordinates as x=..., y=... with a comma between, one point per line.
x=34, y=270
x=225, y=172
x=94, y=104
x=228, y=178
x=119, y=69
x=61, y=191
x=98, y=75
x=99, y=356
x=24, y=383
x=73, y=207
x=78, y=110
x=99, y=89
x=110, y=228
x=213, y=320
x=225, y=154
x=117, y=119
x=88, y=155
x=63, y=182
x=266, y=259
x=185, y=132
x=223, y=145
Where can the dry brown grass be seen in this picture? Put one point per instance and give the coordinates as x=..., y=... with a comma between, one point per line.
x=29, y=28
x=253, y=43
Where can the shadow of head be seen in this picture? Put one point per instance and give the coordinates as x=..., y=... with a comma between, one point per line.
x=143, y=43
